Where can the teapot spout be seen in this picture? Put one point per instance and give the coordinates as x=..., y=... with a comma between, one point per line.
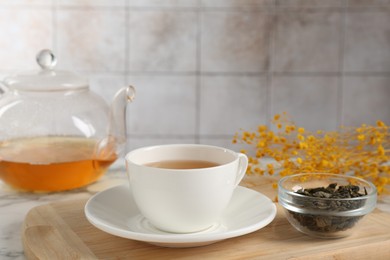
x=115, y=141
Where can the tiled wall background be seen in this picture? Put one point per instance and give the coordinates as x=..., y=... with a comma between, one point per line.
x=203, y=69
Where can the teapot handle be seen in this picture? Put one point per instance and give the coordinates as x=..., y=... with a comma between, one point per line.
x=116, y=139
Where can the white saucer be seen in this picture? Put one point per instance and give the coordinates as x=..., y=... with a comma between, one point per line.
x=115, y=212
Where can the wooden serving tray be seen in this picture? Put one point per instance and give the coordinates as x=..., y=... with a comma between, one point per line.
x=61, y=231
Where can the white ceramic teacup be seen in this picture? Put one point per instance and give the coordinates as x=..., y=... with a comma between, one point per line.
x=184, y=200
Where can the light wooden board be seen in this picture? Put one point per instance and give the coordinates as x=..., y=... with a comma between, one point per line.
x=61, y=231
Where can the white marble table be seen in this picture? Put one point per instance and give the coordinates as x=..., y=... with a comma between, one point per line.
x=15, y=205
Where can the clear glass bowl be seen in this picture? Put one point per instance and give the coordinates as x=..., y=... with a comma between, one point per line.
x=325, y=217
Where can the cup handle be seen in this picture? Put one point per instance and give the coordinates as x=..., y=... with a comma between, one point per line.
x=242, y=166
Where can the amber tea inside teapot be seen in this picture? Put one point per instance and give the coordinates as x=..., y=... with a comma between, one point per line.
x=56, y=134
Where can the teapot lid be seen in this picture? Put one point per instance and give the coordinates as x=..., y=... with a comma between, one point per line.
x=47, y=79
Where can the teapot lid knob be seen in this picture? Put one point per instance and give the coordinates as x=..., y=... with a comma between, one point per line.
x=46, y=59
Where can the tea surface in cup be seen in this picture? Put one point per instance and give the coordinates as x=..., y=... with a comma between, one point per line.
x=182, y=164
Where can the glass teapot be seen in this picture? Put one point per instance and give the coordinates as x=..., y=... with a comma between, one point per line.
x=55, y=134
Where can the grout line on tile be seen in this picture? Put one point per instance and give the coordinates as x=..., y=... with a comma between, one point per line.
x=232, y=73
x=366, y=74
x=228, y=74
x=26, y=6
x=161, y=136
x=330, y=74
x=91, y=7
x=260, y=9
x=318, y=9
x=54, y=38
x=180, y=136
x=341, y=62
x=306, y=74
x=270, y=74
x=197, y=73
x=127, y=42
x=209, y=136
x=279, y=3
x=165, y=8
x=268, y=100
x=131, y=8
x=257, y=9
